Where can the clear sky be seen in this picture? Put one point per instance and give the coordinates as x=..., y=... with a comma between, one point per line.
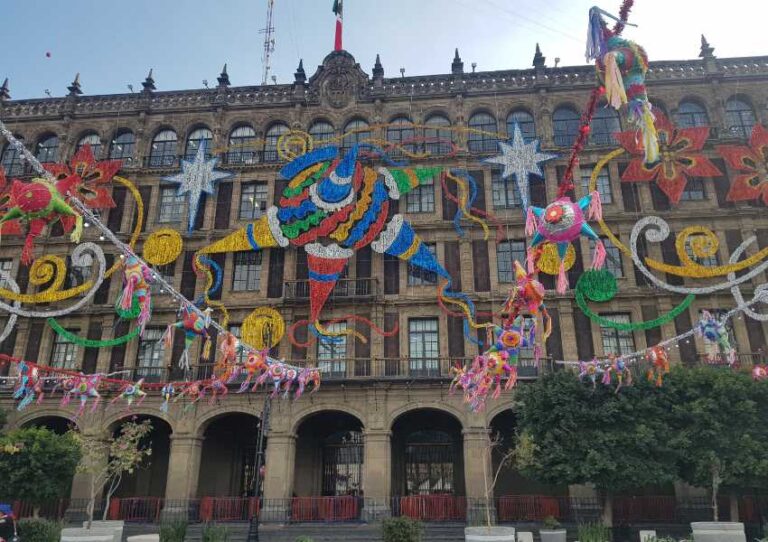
x=113, y=43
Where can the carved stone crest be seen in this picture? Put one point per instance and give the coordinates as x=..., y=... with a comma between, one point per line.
x=338, y=89
x=339, y=79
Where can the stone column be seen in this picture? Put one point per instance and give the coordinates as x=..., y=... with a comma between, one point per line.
x=477, y=475
x=377, y=473
x=279, y=467
x=183, y=472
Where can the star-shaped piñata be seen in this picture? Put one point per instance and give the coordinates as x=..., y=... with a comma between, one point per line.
x=521, y=159
x=197, y=177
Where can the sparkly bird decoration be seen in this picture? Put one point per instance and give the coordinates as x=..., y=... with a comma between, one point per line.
x=561, y=223
x=197, y=177
x=333, y=206
x=520, y=160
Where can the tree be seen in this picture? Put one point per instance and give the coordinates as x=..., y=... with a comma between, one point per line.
x=106, y=461
x=718, y=418
x=572, y=433
x=37, y=465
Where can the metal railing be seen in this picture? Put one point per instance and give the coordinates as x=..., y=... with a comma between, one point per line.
x=344, y=289
x=722, y=360
x=431, y=508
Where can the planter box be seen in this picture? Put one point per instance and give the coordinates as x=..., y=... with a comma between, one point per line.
x=557, y=535
x=489, y=534
x=144, y=538
x=723, y=531
x=77, y=534
x=116, y=526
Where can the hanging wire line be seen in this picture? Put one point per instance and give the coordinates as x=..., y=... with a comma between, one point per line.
x=124, y=248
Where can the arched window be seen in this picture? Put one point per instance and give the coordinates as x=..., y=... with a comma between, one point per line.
x=201, y=137
x=94, y=141
x=400, y=132
x=565, y=125
x=122, y=147
x=437, y=135
x=163, y=151
x=355, y=132
x=321, y=132
x=525, y=121
x=482, y=136
x=690, y=114
x=739, y=118
x=242, y=142
x=605, y=123
x=48, y=149
x=271, y=139
x=12, y=160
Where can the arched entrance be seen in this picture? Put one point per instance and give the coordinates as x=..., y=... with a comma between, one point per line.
x=228, y=458
x=328, y=472
x=428, y=466
x=519, y=498
x=57, y=424
x=149, y=480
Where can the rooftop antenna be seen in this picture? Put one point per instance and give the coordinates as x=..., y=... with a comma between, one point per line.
x=269, y=43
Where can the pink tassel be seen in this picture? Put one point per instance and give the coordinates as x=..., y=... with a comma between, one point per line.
x=530, y=222
x=537, y=354
x=529, y=261
x=595, y=207
x=598, y=259
x=168, y=336
x=562, y=279
x=127, y=299
x=606, y=378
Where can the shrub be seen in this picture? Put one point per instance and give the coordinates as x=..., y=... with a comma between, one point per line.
x=551, y=524
x=304, y=538
x=39, y=530
x=213, y=532
x=173, y=531
x=402, y=530
x=594, y=532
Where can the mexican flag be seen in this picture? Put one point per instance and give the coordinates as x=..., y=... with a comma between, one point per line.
x=338, y=10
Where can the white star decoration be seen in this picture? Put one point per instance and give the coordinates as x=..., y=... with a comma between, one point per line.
x=520, y=159
x=197, y=177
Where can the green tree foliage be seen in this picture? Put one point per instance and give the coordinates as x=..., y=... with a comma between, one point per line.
x=36, y=464
x=401, y=529
x=718, y=421
x=572, y=433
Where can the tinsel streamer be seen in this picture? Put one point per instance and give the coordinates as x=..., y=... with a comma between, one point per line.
x=566, y=183
x=692, y=269
x=331, y=336
x=465, y=305
x=626, y=7
x=464, y=203
x=11, y=323
x=162, y=247
x=92, y=343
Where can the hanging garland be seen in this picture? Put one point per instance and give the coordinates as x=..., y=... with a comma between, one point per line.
x=92, y=343
x=600, y=286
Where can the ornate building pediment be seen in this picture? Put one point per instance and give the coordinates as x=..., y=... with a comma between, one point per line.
x=339, y=80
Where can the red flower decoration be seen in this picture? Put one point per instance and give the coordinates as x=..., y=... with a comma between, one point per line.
x=85, y=179
x=554, y=214
x=752, y=162
x=680, y=153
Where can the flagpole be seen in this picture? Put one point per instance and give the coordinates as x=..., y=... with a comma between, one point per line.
x=338, y=10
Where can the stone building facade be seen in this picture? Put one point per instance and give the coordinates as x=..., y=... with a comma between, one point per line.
x=384, y=410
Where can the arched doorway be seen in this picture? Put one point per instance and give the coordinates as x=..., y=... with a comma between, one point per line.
x=57, y=424
x=328, y=471
x=148, y=480
x=329, y=455
x=428, y=466
x=227, y=465
x=519, y=498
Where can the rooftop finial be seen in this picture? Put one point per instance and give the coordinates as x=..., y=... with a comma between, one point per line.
x=378, y=69
x=457, y=67
x=74, y=88
x=5, y=92
x=223, y=77
x=707, y=51
x=149, y=82
x=300, y=77
x=538, y=58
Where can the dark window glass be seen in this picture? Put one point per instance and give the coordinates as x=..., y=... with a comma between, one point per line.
x=690, y=114
x=565, y=125
x=526, y=123
x=163, y=150
x=482, y=133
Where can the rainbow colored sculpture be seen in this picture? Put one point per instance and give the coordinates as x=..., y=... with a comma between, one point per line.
x=715, y=334
x=194, y=325
x=332, y=207
x=136, y=280
x=619, y=369
x=659, y=359
x=527, y=297
x=621, y=66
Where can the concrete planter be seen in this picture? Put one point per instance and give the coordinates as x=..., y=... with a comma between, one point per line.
x=116, y=526
x=489, y=534
x=557, y=535
x=718, y=531
x=144, y=538
x=77, y=534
